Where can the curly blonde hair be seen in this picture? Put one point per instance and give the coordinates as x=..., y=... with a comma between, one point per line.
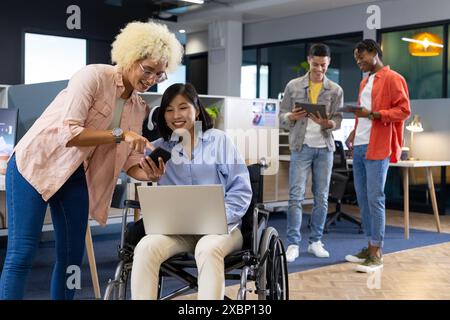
x=141, y=40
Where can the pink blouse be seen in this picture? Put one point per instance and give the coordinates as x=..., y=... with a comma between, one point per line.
x=88, y=102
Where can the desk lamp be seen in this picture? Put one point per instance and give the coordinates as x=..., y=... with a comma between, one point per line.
x=414, y=126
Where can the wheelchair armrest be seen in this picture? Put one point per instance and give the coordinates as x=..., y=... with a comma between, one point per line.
x=262, y=209
x=132, y=204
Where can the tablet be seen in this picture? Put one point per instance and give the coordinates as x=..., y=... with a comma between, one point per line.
x=350, y=108
x=313, y=108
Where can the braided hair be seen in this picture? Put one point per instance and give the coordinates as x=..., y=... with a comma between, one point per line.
x=369, y=45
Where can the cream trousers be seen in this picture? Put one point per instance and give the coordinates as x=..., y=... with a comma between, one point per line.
x=209, y=251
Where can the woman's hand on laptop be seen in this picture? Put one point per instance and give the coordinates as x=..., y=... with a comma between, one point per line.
x=153, y=171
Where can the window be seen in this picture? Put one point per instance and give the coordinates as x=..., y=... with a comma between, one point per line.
x=448, y=63
x=179, y=76
x=249, y=83
x=283, y=62
x=280, y=63
x=52, y=58
x=264, y=81
x=343, y=69
x=423, y=74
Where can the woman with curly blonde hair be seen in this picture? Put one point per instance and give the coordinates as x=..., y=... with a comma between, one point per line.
x=71, y=157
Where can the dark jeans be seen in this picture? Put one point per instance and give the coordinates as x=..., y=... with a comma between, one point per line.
x=26, y=211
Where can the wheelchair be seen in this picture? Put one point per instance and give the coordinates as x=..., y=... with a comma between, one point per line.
x=262, y=258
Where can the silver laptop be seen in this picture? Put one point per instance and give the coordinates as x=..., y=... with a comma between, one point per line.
x=196, y=210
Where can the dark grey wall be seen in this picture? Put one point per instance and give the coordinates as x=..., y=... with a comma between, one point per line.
x=282, y=61
x=349, y=72
x=99, y=25
x=31, y=101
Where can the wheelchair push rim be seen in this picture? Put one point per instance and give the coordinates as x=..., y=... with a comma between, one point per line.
x=272, y=282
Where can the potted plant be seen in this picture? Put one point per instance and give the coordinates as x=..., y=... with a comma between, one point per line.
x=302, y=66
x=213, y=112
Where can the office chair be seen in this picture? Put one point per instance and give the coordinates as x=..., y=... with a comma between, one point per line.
x=341, y=187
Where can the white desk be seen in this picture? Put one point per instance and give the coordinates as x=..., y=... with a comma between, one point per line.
x=89, y=248
x=405, y=165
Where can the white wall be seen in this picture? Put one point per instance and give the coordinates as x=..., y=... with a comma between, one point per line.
x=345, y=20
x=331, y=22
x=323, y=23
x=433, y=143
x=225, y=58
x=197, y=42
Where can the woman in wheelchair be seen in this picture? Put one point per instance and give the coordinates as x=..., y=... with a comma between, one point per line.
x=200, y=155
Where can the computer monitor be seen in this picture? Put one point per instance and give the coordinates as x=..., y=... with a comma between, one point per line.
x=347, y=125
x=8, y=126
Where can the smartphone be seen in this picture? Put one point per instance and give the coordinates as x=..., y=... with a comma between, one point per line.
x=158, y=153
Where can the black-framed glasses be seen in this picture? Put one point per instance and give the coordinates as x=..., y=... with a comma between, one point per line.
x=157, y=77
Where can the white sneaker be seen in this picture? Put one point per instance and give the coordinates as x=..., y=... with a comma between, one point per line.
x=316, y=248
x=292, y=253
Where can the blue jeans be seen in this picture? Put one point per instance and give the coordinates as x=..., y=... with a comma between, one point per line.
x=26, y=212
x=320, y=161
x=370, y=178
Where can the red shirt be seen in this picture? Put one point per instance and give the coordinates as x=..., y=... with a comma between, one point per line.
x=390, y=98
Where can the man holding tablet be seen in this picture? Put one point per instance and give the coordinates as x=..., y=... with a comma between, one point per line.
x=312, y=145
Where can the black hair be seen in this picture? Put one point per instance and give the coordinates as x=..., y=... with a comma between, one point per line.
x=369, y=45
x=319, y=50
x=189, y=92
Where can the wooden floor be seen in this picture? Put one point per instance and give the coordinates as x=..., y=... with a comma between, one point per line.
x=420, y=273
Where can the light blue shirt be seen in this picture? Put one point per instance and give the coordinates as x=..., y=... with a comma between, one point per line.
x=215, y=160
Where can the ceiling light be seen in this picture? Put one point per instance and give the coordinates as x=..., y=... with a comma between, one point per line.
x=424, y=45
x=195, y=1
x=182, y=31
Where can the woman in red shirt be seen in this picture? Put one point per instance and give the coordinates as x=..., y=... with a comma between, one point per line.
x=376, y=140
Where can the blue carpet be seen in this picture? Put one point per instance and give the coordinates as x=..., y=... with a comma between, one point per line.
x=342, y=239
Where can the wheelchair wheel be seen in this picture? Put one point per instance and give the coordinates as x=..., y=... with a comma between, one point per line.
x=272, y=280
